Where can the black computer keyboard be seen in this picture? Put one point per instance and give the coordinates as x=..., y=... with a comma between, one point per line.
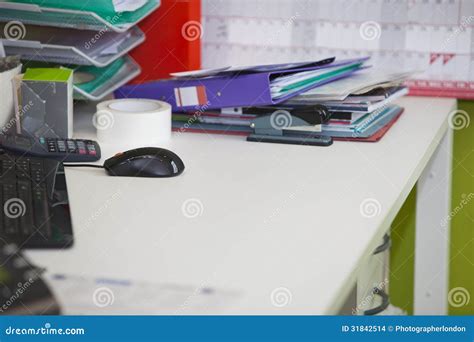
x=35, y=202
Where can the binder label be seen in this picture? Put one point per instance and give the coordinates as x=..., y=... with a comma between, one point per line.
x=190, y=96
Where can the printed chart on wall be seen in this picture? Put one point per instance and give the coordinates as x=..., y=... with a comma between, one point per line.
x=395, y=33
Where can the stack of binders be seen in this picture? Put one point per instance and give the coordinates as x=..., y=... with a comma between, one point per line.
x=91, y=38
x=361, y=107
x=308, y=103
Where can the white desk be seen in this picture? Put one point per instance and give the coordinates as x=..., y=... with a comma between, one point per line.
x=272, y=215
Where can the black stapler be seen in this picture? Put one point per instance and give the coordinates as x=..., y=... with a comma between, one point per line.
x=298, y=126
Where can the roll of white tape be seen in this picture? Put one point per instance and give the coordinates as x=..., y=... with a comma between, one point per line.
x=133, y=121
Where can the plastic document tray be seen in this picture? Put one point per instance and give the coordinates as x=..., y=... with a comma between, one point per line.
x=81, y=47
x=105, y=80
x=48, y=16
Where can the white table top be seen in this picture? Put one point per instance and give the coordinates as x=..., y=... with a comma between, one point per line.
x=270, y=215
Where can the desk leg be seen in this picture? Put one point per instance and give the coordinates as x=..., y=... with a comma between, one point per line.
x=432, y=236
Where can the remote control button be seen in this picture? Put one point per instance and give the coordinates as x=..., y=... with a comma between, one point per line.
x=82, y=151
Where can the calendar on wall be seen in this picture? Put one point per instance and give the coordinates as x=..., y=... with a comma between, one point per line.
x=434, y=37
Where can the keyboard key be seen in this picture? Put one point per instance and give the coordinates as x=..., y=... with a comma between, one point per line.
x=26, y=219
x=41, y=211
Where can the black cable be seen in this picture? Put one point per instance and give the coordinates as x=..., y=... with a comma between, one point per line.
x=83, y=165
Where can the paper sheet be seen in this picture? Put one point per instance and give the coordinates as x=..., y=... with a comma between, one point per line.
x=80, y=295
x=340, y=89
x=128, y=5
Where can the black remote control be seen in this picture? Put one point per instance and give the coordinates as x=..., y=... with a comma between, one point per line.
x=65, y=150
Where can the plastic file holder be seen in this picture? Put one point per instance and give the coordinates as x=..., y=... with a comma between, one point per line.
x=105, y=80
x=84, y=47
x=59, y=17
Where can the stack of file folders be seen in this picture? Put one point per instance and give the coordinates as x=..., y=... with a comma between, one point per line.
x=92, y=38
x=286, y=103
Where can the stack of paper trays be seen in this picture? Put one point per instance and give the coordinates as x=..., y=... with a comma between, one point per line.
x=90, y=38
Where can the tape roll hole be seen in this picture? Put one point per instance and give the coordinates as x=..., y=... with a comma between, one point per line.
x=133, y=106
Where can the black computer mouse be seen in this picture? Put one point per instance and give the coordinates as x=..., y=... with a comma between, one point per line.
x=145, y=162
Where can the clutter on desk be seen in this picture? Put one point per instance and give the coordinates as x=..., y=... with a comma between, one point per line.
x=22, y=288
x=299, y=103
x=242, y=87
x=92, y=39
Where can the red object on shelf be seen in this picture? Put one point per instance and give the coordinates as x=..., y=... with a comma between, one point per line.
x=173, y=40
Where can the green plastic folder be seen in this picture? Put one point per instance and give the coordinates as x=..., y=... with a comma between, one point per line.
x=322, y=77
x=103, y=8
x=94, y=15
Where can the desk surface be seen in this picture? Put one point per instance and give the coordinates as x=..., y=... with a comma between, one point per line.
x=251, y=217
